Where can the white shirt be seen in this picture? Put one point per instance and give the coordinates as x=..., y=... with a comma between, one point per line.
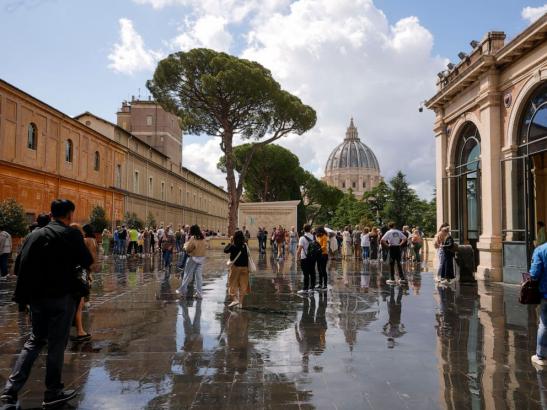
x=160, y=233
x=394, y=237
x=5, y=242
x=304, y=243
x=365, y=240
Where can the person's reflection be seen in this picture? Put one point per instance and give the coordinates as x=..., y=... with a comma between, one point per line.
x=193, y=340
x=121, y=278
x=311, y=330
x=447, y=313
x=394, y=329
x=237, y=341
x=365, y=282
x=165, y=294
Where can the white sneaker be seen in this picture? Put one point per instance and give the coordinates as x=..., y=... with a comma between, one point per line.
x=302, y=291
x=234, y=303
x=538, y=360
x=390, y=282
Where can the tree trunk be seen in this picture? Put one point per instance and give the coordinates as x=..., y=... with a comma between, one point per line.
x=233, y=196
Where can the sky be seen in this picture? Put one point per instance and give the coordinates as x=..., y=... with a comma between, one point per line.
x=370, y=60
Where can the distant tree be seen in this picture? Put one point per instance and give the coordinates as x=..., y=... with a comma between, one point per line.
x=350, y=211
x=274, y=173
x=320, y=199
x=13, y=218
x=221, y=95
x=150, y=220
x=98, y=219
x=403, y=199
x=131, y=220
x=376, y=201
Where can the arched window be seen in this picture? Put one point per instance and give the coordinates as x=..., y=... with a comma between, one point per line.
x=32, y=136
x=343, y=184
x=97, y=161
x=466, y=209
x=69, y=148
x=533, y=125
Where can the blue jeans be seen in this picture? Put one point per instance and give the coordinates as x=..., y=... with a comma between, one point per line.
x=167, y=255
x=366, y=252
x=541, y=349
x=191, y=270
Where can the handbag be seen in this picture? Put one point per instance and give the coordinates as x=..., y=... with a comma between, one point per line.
x=252, y=265
x=529, y=291
x=81, y=282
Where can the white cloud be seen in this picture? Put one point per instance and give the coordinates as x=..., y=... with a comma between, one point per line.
x=202, y=158
x=207, y=31
x=344, y=58
x=130, y=55
x=533, y=13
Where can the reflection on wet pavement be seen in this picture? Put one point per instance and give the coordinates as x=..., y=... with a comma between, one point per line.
x=361, y=345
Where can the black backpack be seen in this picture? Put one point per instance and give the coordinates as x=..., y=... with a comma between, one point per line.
x=314, y=251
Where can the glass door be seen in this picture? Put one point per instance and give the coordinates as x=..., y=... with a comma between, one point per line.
x=515, y=218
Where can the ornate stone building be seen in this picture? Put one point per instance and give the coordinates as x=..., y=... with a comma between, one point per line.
x=491, y=149
x=352, y=165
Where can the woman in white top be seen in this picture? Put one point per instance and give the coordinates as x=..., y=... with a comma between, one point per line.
x=346, y=244
x=365, y=244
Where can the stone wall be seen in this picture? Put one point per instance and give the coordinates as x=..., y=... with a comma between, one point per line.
x=268, y=214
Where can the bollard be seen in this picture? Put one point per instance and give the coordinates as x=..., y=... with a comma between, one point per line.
x=465, y=258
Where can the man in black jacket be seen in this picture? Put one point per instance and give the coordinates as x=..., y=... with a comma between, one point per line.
x=47, y=282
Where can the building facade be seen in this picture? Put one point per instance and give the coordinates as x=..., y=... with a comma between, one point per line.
x=491, y=143
x=45, y=154
x=352, y=165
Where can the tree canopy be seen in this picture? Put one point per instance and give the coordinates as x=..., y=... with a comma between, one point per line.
x=274, y=173
x=218, y=94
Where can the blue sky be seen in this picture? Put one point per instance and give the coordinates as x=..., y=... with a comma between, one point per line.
x=58, y=51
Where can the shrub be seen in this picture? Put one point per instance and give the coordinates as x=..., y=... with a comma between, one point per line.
x=98, y=220
x=13, y=218
x=131, y=220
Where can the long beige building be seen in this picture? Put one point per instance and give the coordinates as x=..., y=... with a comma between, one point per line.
x=46, y=154
x=491, y=144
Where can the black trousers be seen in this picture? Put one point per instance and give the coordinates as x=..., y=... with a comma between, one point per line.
x=322, y=268
x=51, y=320
x=308, y=270
x=132, y=245
x=395, y=257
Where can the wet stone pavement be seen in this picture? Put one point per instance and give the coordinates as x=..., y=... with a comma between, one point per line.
x=362, y=345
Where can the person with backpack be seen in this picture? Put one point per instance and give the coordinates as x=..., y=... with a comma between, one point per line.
x=322, y=239
x=238, y=278
x=392, y=240
x=47, y=280
x=122, y=237
x=307, y=253
x=416, y=240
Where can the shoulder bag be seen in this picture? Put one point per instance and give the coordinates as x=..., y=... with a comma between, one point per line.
x=252, y=265
x=529, y=291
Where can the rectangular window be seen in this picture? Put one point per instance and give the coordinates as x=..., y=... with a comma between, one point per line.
x=118, y=181
x=148, y=120
x=136, y=182
x=150, y=187
x=163, y=191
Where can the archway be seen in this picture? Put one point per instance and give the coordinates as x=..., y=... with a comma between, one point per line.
x=524, y=180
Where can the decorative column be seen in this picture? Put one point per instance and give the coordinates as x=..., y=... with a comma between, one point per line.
x=489, y=245
x=441, y=152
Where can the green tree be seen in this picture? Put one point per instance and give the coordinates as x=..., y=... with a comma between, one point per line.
x=150, y=220
x=403, y=200
x=321, y=200
x=221, y=95
x=274, y=173
x=376, y=201
x=131, y=220
x=98, y=219
x=350, y=211
x=13, y=218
